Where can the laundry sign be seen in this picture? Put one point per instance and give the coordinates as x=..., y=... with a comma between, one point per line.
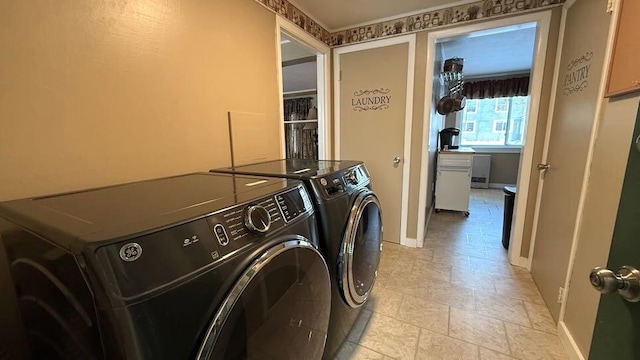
x=371, y=100
x=576, y=78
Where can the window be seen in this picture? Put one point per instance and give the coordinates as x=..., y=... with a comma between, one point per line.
x=499, y=126
x=469, y=126
x=494, y=122
x=471, y=106
x=502, y=104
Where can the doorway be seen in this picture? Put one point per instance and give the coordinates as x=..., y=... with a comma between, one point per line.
x=303, y=70
x=534, y=26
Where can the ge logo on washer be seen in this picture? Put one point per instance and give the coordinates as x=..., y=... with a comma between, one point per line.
x=130, y=252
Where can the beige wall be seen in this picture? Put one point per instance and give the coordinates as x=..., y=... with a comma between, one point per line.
x=599, y=215
x=543, y=114
x=100, y=92
x=504, y=167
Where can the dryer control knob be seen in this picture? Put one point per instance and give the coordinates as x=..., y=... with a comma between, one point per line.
x=351, y=177
x=257, y=219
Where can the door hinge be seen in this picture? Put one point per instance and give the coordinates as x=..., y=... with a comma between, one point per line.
x=611, y=5
x=560, y=295
x=340, y=76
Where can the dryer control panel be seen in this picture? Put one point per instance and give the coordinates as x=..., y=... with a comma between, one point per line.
x=340, y=183
x=142, y=264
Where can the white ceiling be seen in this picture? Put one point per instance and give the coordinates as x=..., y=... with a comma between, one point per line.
x=292, y=50
x=335, y=14
x=496, y=51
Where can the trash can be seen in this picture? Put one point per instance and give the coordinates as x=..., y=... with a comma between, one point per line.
x=509, y=199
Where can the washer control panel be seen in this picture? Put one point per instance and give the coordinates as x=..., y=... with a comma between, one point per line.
x=185, y=248
x=293, y=203
x=242, y=225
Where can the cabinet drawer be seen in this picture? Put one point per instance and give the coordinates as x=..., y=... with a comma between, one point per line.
x=455, y=162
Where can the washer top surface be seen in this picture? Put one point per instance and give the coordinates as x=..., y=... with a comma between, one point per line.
x=101, y=214
x=294, y=168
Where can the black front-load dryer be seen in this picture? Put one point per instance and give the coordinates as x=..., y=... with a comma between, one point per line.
x=200, y=266
x=349, y=218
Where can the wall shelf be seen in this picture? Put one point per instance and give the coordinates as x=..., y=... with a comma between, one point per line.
x=300, y=121
x=300, y=93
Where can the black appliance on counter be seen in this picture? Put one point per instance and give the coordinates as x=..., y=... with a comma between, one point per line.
x=199, y=266
x=449, y=138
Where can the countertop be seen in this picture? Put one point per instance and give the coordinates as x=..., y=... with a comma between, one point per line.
x=460, y=150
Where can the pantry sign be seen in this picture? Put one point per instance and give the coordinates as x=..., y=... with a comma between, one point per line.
x=576, y=78
x=371, y=100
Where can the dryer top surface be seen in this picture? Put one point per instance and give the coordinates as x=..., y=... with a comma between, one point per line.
x=294, y=168
x=115, y=211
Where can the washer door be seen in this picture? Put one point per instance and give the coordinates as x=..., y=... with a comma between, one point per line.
x=278, y=309
x=360, y=251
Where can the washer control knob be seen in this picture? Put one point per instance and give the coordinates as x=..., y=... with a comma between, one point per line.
x=351, y=177
x=257, y=219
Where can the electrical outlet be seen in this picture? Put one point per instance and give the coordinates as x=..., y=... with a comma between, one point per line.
x=610, y=5
x=560, y=295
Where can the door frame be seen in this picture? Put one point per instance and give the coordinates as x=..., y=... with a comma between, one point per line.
x=543, y=23
x=408, y=39
x=323, y=74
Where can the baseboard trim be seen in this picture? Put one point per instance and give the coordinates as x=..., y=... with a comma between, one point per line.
x=410, y=242
x=521, y=262
x=499, y=185
x=569, y=344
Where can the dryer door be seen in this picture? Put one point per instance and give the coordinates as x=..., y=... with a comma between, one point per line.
x=278, y=309
x=360, y=250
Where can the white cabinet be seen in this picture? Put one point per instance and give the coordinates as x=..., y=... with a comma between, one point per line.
x=453, y=180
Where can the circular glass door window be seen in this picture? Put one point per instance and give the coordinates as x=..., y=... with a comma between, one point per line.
x=361, y=249
x=279, y=309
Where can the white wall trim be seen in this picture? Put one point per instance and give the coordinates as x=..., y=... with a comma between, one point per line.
x=410, y=242
x=424, y=155
x=323, y=62
x=526, y=159
x=521, y=261
x=543, y=21
x=411, y=40
x=569, y=344
x=575, y=240
x=547, y=136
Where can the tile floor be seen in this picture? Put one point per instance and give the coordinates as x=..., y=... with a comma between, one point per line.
x=456, y=298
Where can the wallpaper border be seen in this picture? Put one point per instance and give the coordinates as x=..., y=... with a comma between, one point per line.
x=475, y=11
x=290, y=12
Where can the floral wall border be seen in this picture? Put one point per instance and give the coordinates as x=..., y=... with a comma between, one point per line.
x=477, y=10
x=290, y=12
